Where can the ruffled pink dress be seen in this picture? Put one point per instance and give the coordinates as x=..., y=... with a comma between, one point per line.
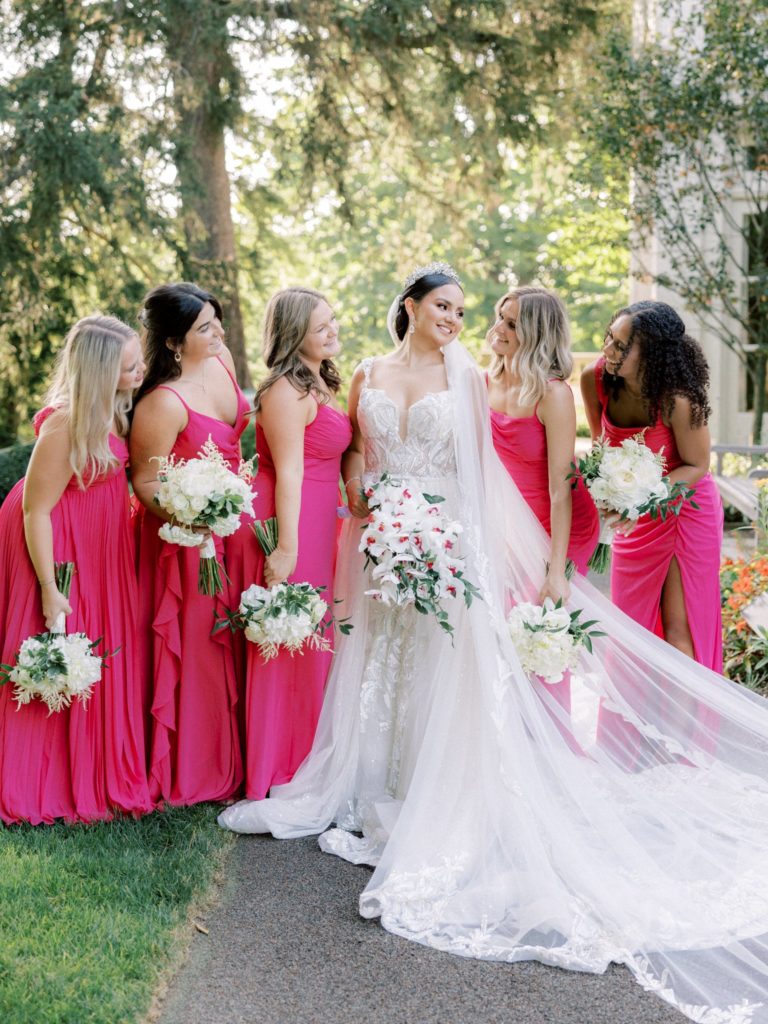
x=86, y=762
x=284, y=695
x=195, y=750
x=640, y=562
x=521, y=444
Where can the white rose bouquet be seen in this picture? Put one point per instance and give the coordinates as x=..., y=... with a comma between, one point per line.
x=628, y=479
x=55, y=667
x=203, y=492
x=287, y=615
x=547, y=638
x=412, y=548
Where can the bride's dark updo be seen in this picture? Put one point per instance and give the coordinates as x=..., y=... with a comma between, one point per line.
x=416, y=290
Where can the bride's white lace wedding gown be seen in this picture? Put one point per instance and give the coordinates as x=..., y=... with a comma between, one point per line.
x=498, y=828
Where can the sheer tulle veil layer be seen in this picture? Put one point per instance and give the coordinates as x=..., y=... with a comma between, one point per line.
x=521, y=833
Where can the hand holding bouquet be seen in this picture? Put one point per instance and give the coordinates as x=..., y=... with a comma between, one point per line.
x=547, y=638
x=411, y=546
x=287, y=615
x=628, y=480
x=203, y=493
x=55, y=667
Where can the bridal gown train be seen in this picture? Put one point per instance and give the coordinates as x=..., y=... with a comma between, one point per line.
x=499, y=827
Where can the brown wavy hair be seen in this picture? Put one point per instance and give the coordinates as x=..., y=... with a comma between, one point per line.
x=286, y=322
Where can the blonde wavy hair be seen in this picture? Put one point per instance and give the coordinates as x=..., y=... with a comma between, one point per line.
x=544, y=338
x=85, y=388
x=286, y=323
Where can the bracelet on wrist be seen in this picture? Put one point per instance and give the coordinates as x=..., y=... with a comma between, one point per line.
x=348, y=482
x=44, y=583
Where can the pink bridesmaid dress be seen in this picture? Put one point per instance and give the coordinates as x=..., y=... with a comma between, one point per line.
x=521, y=444
x=640, y=562
x=195, y=751
x=86, y=762
x=284, y=695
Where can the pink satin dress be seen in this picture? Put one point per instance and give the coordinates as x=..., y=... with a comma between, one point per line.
x=284, y=695
x=195, y=751
x=640, y=562
x=86, y=762
x=521, y=444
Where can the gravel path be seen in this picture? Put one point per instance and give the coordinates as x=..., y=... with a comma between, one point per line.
x=287, y=946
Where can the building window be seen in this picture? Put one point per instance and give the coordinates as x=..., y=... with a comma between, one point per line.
x=757, y=293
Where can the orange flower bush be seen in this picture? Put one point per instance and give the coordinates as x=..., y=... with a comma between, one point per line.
x=745, y=652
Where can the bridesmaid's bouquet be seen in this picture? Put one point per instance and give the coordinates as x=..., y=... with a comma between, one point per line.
x=288, y=615
x=203, y=492
x=628, y=479
x=411, y=545
x=547, y=638
x=55, y=667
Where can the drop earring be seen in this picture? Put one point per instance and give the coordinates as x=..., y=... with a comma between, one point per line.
x=412, y=328
x=177, y=356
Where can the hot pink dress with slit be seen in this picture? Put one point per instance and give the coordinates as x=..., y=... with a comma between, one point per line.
x=284, y=695
x=85, y=762
x=521, y=444
x=195, y=751
x=640, y=562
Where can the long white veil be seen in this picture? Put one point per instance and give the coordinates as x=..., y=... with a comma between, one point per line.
x=527, y=833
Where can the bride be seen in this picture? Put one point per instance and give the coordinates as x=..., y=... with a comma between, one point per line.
x=498, y=827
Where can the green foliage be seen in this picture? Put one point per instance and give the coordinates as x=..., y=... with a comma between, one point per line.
x=363, y=139
x=13, y=466
x=89, y=914
x=688, y=111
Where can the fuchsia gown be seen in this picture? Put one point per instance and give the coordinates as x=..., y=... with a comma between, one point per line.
x=86, y=762
x=284, y=695
x=195, y=751
x=640, y=562
x=521, y=444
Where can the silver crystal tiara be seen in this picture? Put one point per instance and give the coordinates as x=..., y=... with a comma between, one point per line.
x=432, y=268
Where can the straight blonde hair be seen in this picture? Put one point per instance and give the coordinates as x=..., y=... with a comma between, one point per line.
x=85, y=388
x=286, y=322
x=544, y=338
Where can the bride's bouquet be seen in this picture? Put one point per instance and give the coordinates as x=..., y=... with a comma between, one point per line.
x=55, y=667
x=628, y=479
x=411, y=545
x=203, y=492
x=547, y=638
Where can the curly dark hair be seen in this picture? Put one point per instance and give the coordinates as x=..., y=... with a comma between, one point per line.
x=671, y=362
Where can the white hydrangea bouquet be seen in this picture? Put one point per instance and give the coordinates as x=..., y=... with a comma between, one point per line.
x=288, y=615
x=628, y=479
x=55, y=667
x=412, y=545
x=203, y=492
x=548, y=637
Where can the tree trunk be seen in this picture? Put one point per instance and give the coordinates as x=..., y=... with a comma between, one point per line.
x=759, y=384
x=198, y=51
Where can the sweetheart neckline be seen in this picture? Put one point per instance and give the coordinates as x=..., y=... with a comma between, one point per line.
x=411, y=407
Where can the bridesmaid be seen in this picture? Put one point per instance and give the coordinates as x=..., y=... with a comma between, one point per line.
x=85, y=762
x=301, y=434
x=189, y=394
x=533, y=423
x=664, y=573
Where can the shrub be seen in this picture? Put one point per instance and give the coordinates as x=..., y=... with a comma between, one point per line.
x=13, y=466
x=745, y=652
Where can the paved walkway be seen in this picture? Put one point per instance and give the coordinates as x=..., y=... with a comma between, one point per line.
x=287, y=946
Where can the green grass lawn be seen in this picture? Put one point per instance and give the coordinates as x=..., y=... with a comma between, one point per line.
x=90, y=916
